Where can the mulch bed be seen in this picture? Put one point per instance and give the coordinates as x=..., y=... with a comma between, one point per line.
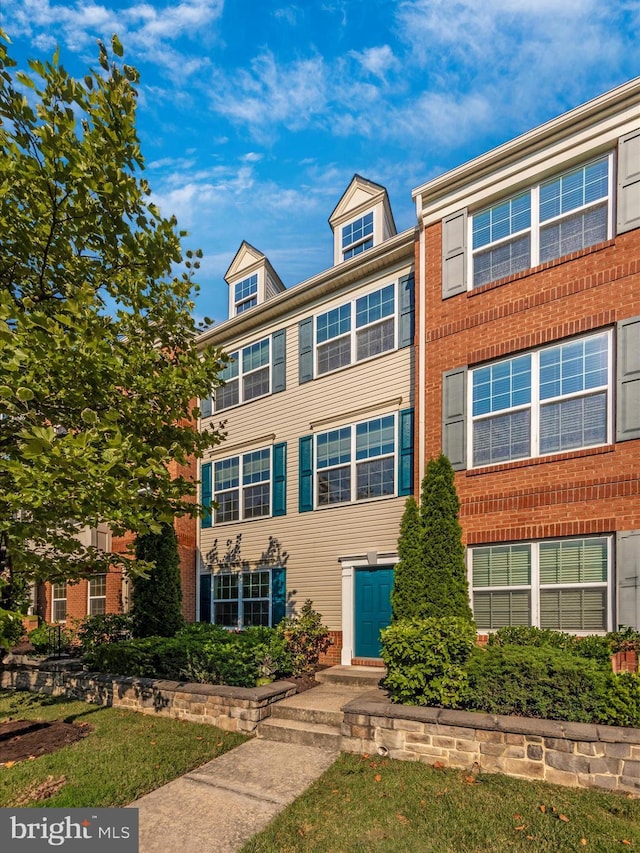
x=28, y=739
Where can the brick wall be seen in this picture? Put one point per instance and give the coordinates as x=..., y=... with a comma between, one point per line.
x=577, y=493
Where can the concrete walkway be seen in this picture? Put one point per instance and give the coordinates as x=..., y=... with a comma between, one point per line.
x=218, y=807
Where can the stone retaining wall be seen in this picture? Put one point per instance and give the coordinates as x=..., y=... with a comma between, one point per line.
x=236, y=709
x=575, y=754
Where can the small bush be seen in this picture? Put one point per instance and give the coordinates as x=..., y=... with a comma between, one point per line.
x=549, y=683
x=108, y=628
x=10, y=628
x=624, y=640
x=594, y=647
x=426, y=659
x=44, y=639
x=306, y=638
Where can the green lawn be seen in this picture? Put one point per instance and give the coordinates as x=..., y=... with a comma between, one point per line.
x=126, y=755
x=370, y=805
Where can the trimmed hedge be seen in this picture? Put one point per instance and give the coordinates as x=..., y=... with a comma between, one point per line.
x=550, y=683
x=201, y=653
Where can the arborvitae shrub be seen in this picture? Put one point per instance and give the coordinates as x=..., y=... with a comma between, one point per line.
x=157, y=598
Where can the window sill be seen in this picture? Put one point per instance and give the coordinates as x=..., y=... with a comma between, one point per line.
x=346, y=504
x=565, y=259
x=540, y=460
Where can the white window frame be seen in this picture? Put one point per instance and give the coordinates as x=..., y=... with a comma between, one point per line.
x=238, y=357
x=92, y=597
x=243, y=303
x=536, y=225
x=55, y=599
x=355, y=244
x=352, y=334
x=353, y=464
x=535, y=586
x=242, y=486
x=536, y=404
x=240, y=599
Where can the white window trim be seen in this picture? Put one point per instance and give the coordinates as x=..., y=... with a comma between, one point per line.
x=536, y=225
x=241, y=487
x=55, y=598
x=535, y=405
x=352, y=333
x=238, y=303
x=356, y=243
x=535, y=586
x=241, y=374
x=240, y=599
x=91, y=598
x=353, y=463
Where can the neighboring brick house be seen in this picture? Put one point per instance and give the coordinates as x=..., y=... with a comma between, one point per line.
x=311, y=480
x=529, y=365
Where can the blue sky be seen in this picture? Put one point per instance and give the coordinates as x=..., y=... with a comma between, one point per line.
x=254, y=116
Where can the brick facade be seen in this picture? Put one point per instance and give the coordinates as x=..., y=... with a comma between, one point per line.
x=582, y=492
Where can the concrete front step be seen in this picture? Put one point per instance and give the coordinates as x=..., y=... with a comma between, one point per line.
x=300, y=732
x=310, y=716
x=352, y=676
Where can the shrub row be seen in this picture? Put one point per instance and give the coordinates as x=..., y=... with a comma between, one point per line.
x=522, y=672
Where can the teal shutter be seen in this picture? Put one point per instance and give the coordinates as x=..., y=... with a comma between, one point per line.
x=206, y=407
x=405, y=452
x=305, y=474
x=206, y=493
x=454, y=405
x=406, y=304
x=628, y=380
x=279, y=479
x=305, y=351
x=454, y=244
x=278, y=595
x=279, y=375
x=205, y=598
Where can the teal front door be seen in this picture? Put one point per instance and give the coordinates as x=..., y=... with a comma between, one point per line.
x=373, y=609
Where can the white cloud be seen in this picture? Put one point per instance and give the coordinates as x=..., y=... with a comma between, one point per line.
x=377, y=60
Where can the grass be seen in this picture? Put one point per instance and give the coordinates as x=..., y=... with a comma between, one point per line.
x=369, y=805
x=126, y=755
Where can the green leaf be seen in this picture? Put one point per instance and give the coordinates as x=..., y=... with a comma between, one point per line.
x=24, y=394
x=116, y=46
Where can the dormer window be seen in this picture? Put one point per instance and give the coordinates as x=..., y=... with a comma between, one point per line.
x=246, y=294
x=357, y=236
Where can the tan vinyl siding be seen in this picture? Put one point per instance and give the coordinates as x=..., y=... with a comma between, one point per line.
x=315, y=540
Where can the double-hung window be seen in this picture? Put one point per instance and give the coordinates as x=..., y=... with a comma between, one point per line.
x=547, y=401
x=356, y=462
x=242, y=486
x=560, y=584
x=360, y=329
x=98, y=595
x=567, y=213
x=59, y=601
x=357, y=236
x=245, y=294
x=244, y=599
x=246, y=376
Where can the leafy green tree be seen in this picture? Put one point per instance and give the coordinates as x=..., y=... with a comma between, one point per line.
x=99, y=371
x=157, y=596
x=431, y=577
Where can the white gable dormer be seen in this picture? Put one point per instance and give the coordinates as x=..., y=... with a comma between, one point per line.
x=361, y=220
x=251, y=279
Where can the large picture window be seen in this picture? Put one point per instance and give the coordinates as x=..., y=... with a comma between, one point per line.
x=560, y=584
x=356, y=462
x=357, y=330
x=242, y=486
x=567, y=213
x=547, y=401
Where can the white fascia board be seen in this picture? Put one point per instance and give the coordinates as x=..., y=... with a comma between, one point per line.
x=575, y=136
